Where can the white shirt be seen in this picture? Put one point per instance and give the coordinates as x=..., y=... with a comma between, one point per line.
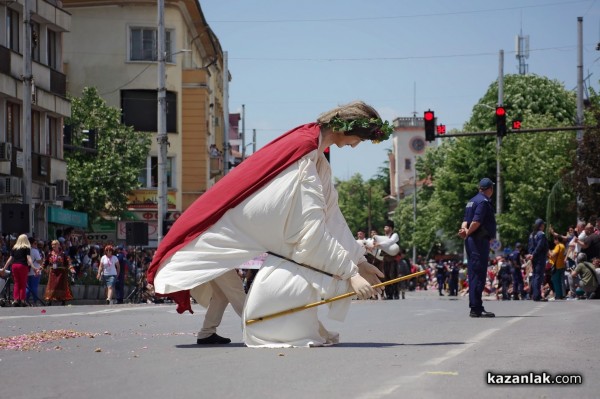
x=36, y=257
x=109, y=265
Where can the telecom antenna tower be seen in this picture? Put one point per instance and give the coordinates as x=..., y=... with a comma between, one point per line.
x=522, y=49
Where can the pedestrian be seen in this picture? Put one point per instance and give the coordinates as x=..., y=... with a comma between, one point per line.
x=477, y=229
x=58, y=265
x=440, y=276
x=557, y=257
x=20, y=262
x=123, y=273
x=281, y=200
x=35, y=273
x=517, y=273
x=403, y=270
x=108, y=272
x=538, y=254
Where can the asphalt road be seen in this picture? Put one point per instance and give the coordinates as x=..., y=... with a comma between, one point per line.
x=423, y=347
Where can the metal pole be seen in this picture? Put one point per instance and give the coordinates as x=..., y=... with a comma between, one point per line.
x=580, y=78
x=414, y=254
x=225, y=114
x=27, y=93
x=243, y=132
x=161, y=136
x=253, y=141
x=499, y=140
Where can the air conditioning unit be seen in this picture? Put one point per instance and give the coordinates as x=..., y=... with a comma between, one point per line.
x=5, y=151
x=13, y=186
x=48, y=194
x=62, y=188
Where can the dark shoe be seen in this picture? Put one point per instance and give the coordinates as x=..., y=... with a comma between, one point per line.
x=213, y=340
x=441, y=294
x=16, y=304
x=403, y=295
x=540, y=300
x=483, y=313
x=108, y=301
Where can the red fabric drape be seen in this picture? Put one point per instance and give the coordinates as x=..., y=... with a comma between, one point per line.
x=231, y=190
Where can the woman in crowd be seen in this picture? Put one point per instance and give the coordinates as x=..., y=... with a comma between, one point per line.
x=20, y=259
x=108, y=271
x=58, y=265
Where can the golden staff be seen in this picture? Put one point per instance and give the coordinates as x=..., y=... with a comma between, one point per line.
x=335, y=298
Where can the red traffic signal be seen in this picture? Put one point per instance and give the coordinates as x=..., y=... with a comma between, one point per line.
x=441, y=129
x=501, y=121
x=429, y=118
x=516, y=124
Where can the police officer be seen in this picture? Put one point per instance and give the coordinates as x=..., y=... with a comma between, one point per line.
x=517, y=275
x=504, y=278
x=454, y=269
x=440, y=271
x=538, y=253
x=477, y=229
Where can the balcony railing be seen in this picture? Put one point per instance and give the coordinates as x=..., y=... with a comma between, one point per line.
x=58, y=83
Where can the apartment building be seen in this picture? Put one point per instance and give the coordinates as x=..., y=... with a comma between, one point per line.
x=112, y=45
x=48, y=23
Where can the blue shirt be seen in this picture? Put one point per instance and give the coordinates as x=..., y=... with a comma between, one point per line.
x=480, y=209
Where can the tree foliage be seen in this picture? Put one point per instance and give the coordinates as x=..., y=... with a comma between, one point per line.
x=99, y=183
x=531, y=164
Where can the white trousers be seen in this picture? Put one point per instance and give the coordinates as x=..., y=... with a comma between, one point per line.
x=280, y=285
x=226, y=289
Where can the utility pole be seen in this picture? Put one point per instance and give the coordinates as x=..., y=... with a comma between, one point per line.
x=243, y=132
x=414, y=251
x=579, y=79
x=161, y=136
x=225, y=114
x=499, y=140
x=27, y=94
x=253, y=141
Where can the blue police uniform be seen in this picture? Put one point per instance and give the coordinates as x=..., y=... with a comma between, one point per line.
x=453, y=280
x=538, y=247
x=440, y=277
x=478, y=209
x=517, y=275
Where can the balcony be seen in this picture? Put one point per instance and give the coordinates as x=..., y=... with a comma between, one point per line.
x=216, y=166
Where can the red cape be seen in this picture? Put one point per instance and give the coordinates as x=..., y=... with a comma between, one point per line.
x=231, y=190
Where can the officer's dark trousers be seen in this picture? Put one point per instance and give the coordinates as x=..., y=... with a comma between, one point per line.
x=120, y=286
x=441, y=279
x=517, y=285
x=478, y=253
x=537, y=279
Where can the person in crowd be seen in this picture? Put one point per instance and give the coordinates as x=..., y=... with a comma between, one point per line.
x=403, y=270
x=284, y=188
x=588, y=278
x=504, y=278
x=108, y=271
x=515, y=262
x=440, y=275
x=590, y=245
x=477, y=229
x=557, y=258
x=35, y=273
x=58, y=265
x=123, y=273
x=390, y=265
x=538, y=254
x=20, y=262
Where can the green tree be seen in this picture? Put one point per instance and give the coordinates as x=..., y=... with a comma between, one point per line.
x=99, y=183
x=532, y=164
x=361, y=202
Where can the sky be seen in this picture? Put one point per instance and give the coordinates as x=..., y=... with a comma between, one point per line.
x=292, y=60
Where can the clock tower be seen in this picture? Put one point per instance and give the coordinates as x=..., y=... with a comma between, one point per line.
x=408, y=143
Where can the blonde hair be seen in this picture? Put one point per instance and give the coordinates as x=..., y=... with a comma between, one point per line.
x=354, y=110
x=22, y=242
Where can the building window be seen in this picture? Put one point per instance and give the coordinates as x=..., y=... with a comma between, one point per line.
x=35, y=41
x=407, y=164
x=148, y=176
x=12, y=29
x=13, y=125
x=35, y=131
x=52, y=127
x=54, y=138
x=144, y=45
x=53, y=49
x=140, y=110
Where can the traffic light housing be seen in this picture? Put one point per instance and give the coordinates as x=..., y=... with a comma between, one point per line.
x=429, y=118
x=327, y=154
x=501, y=121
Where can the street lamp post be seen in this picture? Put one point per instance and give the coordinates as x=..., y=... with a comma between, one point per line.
x=161, y=134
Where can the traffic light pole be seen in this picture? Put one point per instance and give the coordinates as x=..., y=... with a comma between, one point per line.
x=510, y=131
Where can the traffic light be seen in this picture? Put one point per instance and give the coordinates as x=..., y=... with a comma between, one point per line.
x=327, y=154
x=429, y=118
x=441, y=129
x=501, y=121
x=516, y=124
